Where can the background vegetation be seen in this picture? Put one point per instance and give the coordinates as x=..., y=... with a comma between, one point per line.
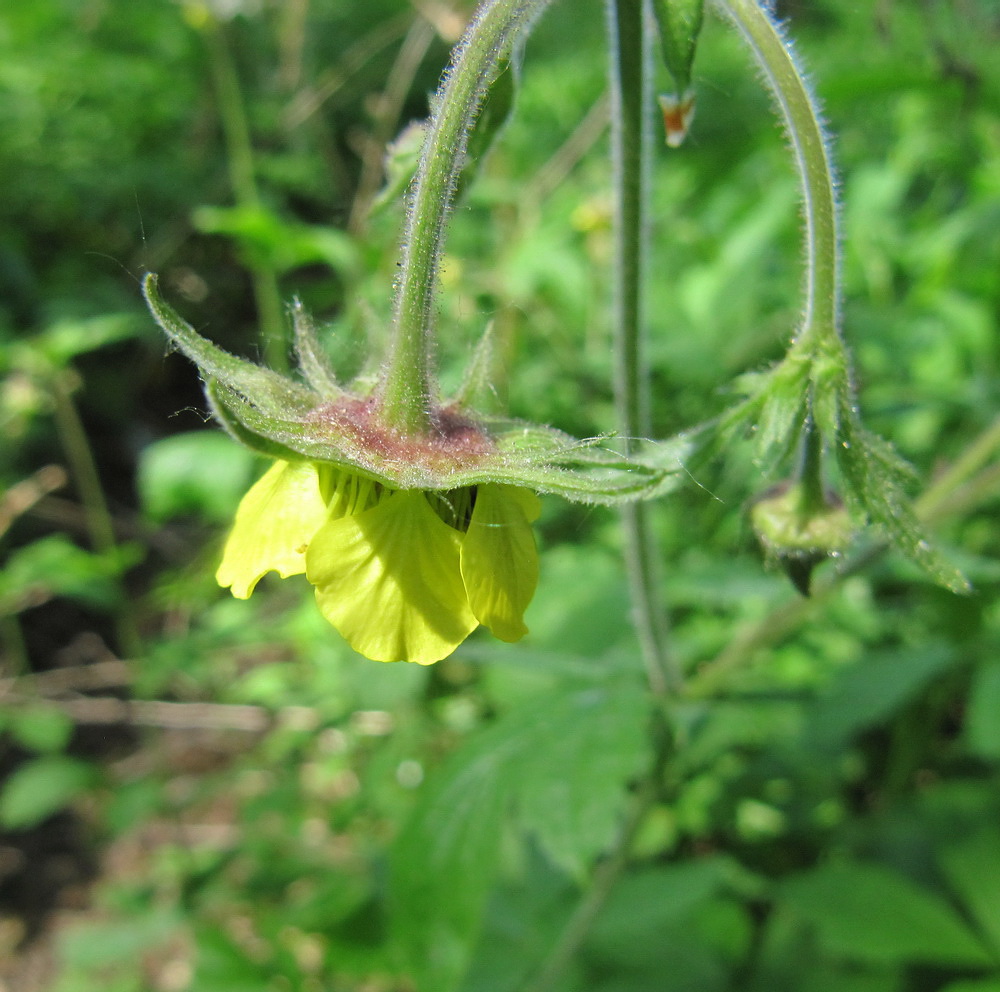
x=206, y=794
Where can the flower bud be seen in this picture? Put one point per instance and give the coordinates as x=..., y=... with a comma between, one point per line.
x=797, y=532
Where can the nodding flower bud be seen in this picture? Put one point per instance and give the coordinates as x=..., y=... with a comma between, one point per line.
x=798, y=533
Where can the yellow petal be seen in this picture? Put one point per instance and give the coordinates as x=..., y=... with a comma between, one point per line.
x=499, y=558
x=389, y=580
x=274, y=523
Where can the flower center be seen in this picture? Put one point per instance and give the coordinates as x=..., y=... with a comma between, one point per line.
x=348, y=494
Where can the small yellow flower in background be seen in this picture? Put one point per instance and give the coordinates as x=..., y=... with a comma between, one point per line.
x=404, y=575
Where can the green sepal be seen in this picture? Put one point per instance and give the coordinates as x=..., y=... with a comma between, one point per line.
x=679, y=23
x=403, y=155
x=401, y=159
x=875, y=477
x=266, y=389
x=218, y=397
x=815, y=386
x=283, y=419
x=494, y=113
x=477, y=389
x=538, y=458
x=312, y=360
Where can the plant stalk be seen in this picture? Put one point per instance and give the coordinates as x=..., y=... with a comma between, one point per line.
x=239, y=158
x=100, y=526
x=631, y=108
x=803, y=121
x=406, y=389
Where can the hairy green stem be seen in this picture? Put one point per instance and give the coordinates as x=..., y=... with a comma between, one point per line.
x=405, y=391
x=773, y=51
x=630, y=114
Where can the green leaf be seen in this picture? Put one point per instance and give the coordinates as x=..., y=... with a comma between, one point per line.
x=865, y=912
x=64, y=341
x=199, y=473
x=679, y=23
x=871, y=691
x=982, y=718
x=222, y=965
x=446, y=857
x=40, y=728
x=523, y=921
x=571, y=786
x=42, y=787
x=54, y=566
x=284, y=245
x=654, y=899
x=972, y=866
x=93, y=946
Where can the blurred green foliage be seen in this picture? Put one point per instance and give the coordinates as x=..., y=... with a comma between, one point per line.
x=292, y=817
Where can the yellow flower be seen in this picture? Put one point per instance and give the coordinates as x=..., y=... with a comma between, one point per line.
x=403, y=574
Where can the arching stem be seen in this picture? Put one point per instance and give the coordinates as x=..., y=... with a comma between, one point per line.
x=406, y=389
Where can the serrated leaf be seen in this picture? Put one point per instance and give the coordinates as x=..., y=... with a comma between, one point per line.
x=522, y=924
x=654, y=899
x=42, y=787
x=572, y=784
x=445, y=859
x=865, y=912
x=972, y=867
